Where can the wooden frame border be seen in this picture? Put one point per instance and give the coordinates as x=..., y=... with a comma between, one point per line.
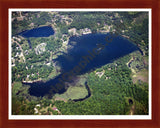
x=6, y=4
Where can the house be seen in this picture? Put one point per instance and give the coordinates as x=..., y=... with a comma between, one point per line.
x=55, y=109
x=38, y=105
x=72, y=31
x=36, y=110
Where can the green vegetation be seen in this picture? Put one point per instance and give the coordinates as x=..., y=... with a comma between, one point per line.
x=76, y=91
x=89, y=20
x=109, y=95
x=135, y=26
x=20, y=106
x=28, y=20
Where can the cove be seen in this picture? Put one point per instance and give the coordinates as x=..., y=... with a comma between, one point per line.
x=81, y=46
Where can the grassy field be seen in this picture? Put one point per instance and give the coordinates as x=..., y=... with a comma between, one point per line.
x=142, y=75
x=76, y=91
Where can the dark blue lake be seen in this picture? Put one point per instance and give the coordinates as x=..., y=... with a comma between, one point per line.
x=88, y=53
x=44, y=31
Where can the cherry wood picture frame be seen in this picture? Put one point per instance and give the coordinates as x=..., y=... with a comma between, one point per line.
x=4, y=33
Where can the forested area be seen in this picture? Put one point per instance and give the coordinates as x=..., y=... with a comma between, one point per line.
x=23, y=22
x=110, y=96
x=91, y=20
x=135, y=26
x=19, y=26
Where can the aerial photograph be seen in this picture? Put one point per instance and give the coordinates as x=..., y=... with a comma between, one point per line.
x=79, y=62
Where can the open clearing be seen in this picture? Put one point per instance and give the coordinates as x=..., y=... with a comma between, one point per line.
x=76, y=90
x=142, y=75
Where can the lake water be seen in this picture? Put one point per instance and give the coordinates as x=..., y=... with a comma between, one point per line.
x=44, y=31
x=81, y=59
